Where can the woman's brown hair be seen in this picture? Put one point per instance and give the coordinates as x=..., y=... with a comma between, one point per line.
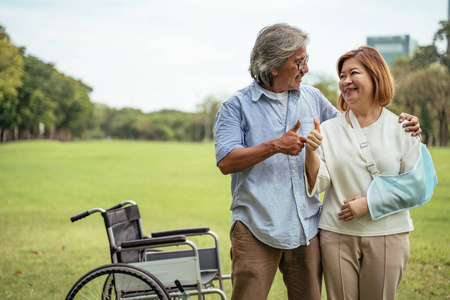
x=383, y=81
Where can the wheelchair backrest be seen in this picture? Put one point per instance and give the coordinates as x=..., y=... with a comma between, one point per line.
x=122, y=225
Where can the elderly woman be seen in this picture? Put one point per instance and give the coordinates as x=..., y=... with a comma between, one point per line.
x=362, y=258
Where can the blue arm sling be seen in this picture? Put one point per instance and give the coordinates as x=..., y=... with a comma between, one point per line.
x=389, y=194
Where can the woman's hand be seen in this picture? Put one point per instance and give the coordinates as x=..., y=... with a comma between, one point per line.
x=353, y=208
x=314, y=139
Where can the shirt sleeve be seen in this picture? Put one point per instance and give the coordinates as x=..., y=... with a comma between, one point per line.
x=328, y=111
x=228, y=133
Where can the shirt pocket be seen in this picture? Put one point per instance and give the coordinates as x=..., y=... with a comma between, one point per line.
x=306, y=127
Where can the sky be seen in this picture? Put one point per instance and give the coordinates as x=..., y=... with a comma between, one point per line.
x=173, y=54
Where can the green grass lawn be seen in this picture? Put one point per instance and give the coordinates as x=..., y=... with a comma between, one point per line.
x=44, y=183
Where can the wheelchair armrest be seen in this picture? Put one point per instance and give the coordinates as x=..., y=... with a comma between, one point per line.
x=182, y=231
x=154, y=241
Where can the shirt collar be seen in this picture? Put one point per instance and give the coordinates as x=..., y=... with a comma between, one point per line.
x=257, y=91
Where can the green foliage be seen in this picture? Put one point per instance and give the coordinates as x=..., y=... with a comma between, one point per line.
x=327, y=85
x=176, y=185
x=74, y=109
x=430, y=54
x=424, y=92
x=34, y=95
x=11, y=64
x=171, y=125
x=8, y=113
x=207, y=111
x=164, y=125
x=10, y=68
x=127, y=123
x=423, y=86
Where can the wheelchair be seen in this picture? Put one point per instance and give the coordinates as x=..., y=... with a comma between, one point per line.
x=165, y=265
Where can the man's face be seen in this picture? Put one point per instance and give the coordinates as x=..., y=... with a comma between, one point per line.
x=289, y=76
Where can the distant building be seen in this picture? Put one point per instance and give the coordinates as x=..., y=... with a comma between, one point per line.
x=392, y=47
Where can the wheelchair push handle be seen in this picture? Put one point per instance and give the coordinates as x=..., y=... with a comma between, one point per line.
x=80, y=216
x=94, y=210
x=85, y=214
x=122, y=204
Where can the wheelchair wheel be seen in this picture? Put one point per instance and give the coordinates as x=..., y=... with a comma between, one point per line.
x=118, y=281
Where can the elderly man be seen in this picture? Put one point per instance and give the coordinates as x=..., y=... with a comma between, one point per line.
x=259, y=135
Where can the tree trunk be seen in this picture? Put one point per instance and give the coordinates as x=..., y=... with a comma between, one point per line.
x=5, y=135
x=443, y=127
x=16, y=133
x=426, y=139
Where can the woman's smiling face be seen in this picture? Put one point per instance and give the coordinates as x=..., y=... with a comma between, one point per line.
x=355, y=83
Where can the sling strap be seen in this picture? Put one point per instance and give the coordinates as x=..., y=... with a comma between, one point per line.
x=370, y=163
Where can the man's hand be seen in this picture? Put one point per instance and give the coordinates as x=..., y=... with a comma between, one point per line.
x=292, y=143
x=412, y=124
x=314, y=139
x=241, y=159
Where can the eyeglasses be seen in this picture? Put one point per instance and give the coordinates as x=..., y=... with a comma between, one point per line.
x=301, y=64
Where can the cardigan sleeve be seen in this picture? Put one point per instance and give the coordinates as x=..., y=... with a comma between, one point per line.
x=323, y=180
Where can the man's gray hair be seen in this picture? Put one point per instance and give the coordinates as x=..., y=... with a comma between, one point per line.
x=273, y=46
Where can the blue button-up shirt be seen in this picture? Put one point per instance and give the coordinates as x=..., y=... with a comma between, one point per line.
x=270, y=197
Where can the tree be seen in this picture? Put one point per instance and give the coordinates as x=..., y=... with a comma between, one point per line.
x=169, y=124
x=54, y=100
x=206, y=114
x=11, y=68
x=402, y=69
x=75, y=106
x=425, y=92
x=37, y=104
x=11, y=64
x=124, y=124
x=424, y=56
